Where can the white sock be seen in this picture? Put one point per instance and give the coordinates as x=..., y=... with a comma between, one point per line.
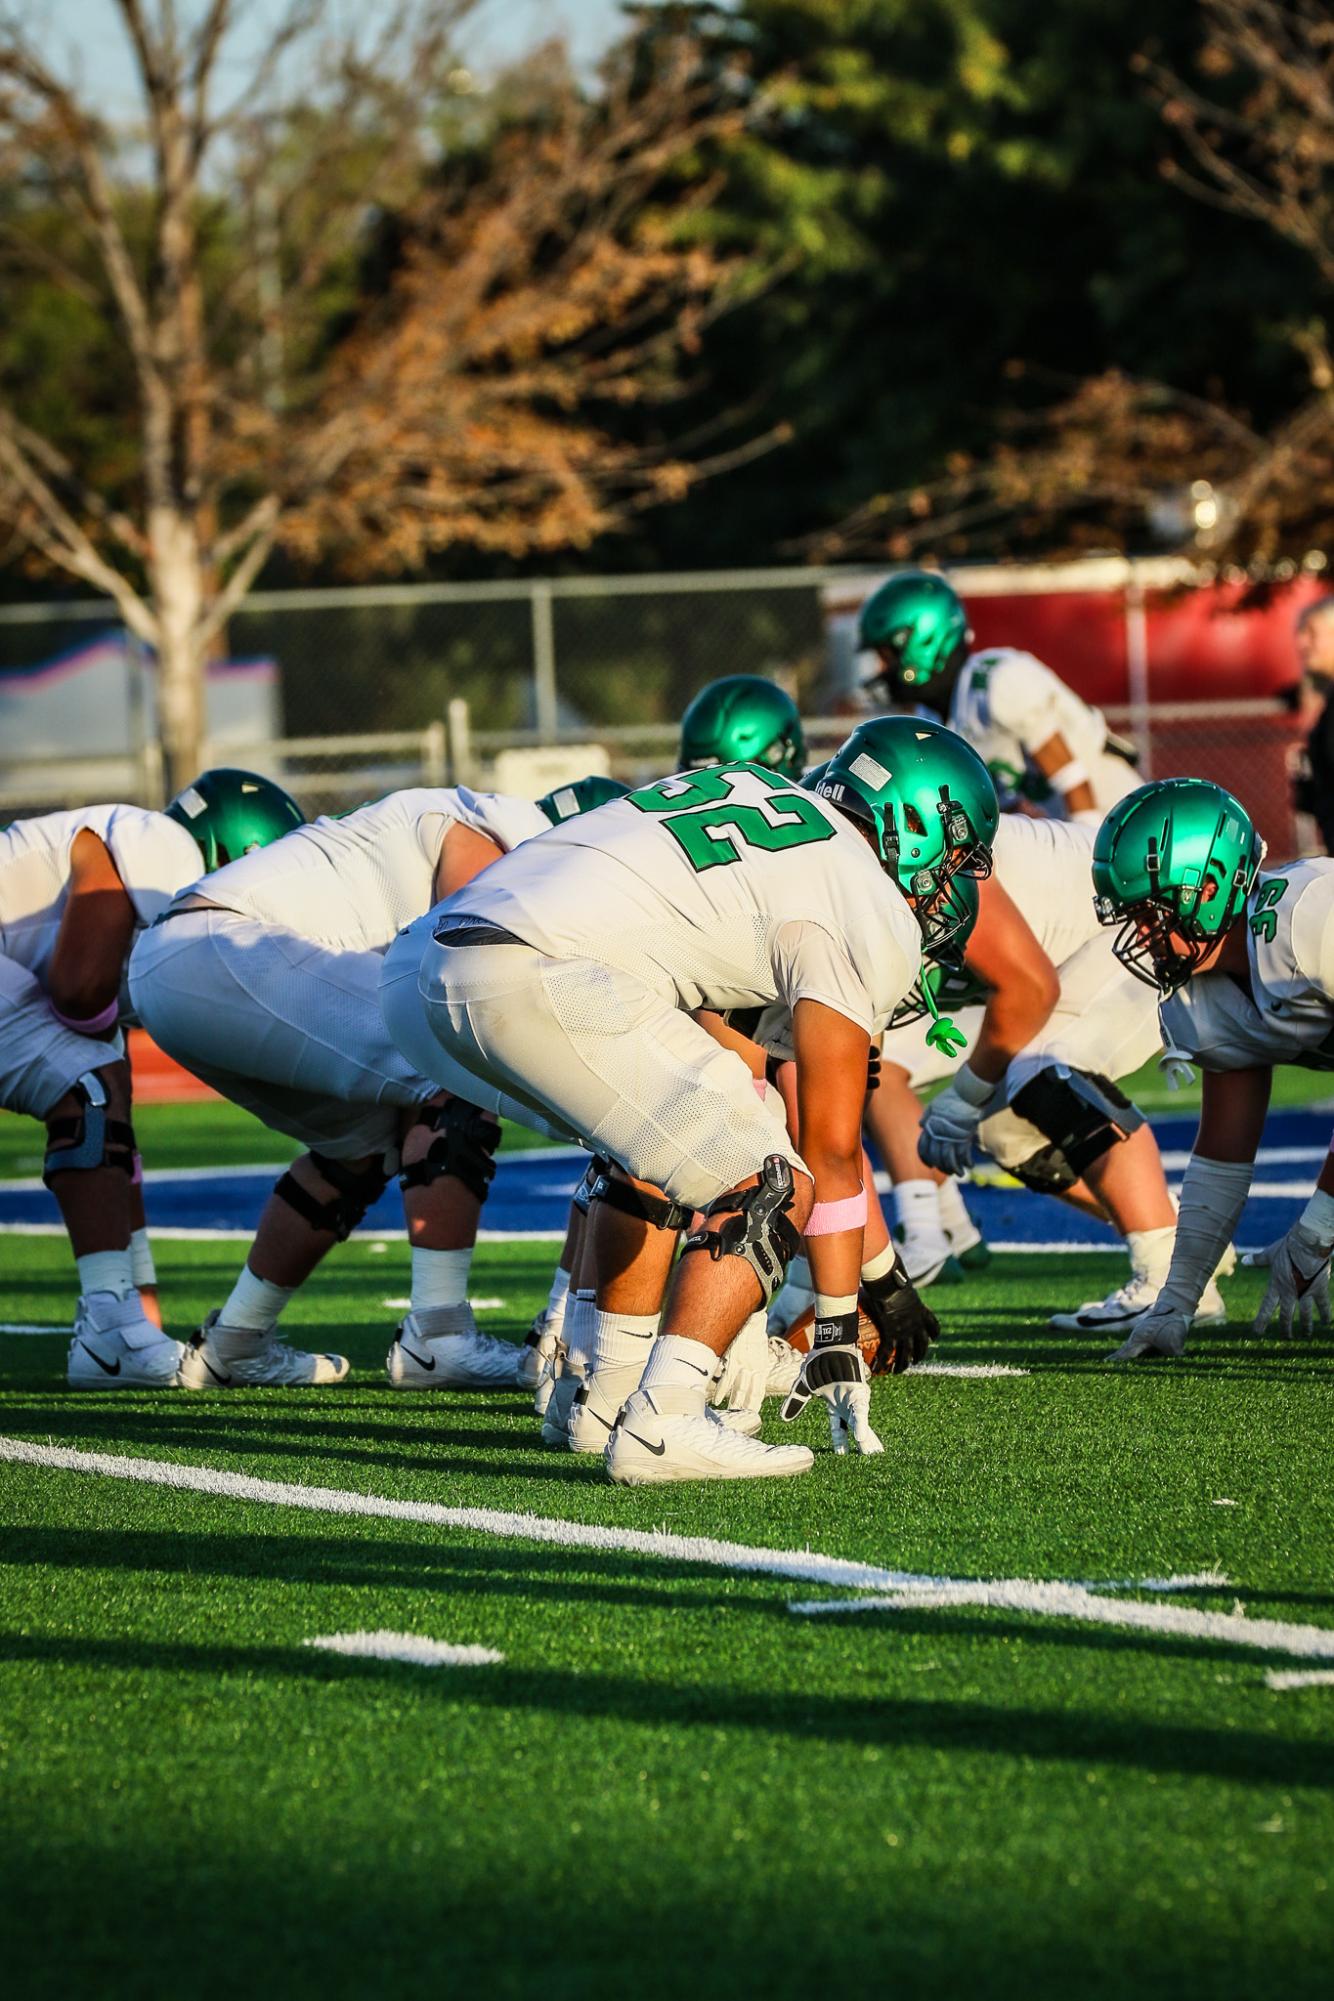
x=142, y=1268
x=439, y=1278
x=954, y=1210
x=255, y=1303
x=580, y=1321
x=106, y=1271
x=917, y=1208
x=675, y=1362
x=558, y=1301
x=1151, y=1251
x=621, y=1340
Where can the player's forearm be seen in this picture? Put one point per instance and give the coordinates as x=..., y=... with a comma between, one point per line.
x=1013, y=1018
x=1213, y=1195
x=836, y=1227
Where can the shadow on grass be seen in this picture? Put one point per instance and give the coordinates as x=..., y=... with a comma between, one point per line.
x=1043, y=1735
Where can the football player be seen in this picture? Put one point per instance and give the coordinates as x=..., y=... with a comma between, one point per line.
x=264, y=981
x=742, y=719
x=1044, y=747
x=76, y=890
x=561, y=989
x=1243, y=958
x=1060, y=1024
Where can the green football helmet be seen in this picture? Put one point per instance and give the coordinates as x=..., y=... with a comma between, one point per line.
x=945, y=981
x=919, y=628
x=743, y=719
x=926, y=802
x=229, y=813
x=567, y=802
x=1173, y=863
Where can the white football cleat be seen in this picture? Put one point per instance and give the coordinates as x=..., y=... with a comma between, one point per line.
x=227, y=1358
x=1124, y=1307
x=927, y=1257
x=537, y=1353
x=115, y=1347
x=464, y=1360
x=663, y=1434
x=556, y=1416
x=597, y=1404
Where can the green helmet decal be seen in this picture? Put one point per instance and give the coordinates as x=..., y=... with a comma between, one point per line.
x=228, y=813
x=567, y=802
x=926, y=801
x=917, y=624
x=1173, y=864
x=743, y=719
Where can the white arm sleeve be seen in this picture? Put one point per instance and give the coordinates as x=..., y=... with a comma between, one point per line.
x=155, y=858
x=809, y=963
x=1313, y=932
x=1213, y=1195
x=1025, y=699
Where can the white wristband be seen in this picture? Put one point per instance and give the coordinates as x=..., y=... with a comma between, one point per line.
x=1069, y=775
x=1213, y=1195
x=1318, y=1218
x=974, y=1090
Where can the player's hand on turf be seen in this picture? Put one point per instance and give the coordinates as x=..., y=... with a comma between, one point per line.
x=905, y=1323
x=950, y=1124
x=1298, y=1266
x=835, y=1371
x=1162, y=1330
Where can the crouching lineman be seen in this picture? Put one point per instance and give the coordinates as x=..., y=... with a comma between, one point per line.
x=264, y=982
x=1042, y=745
x=560, y=989
x=1061, y=1024
x=1244, y=959
x=76, y=889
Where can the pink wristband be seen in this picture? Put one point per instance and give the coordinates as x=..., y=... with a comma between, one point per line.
x=760, y=1086
x=828, y=1217
x=95, y=1024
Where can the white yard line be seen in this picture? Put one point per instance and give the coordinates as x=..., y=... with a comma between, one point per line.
x=889, y=1590
x=1309, y=1678
x=31, y=1327
x=797, y=1564
x=372, y=1238
x=411, y=1647
x=965, y=1369
x=258, y=1170
x=1075, y=1601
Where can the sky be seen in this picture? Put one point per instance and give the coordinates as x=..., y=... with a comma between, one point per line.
x=89, y=31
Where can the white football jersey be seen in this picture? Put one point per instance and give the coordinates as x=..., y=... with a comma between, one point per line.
x=1046, y=868
x=1288, y=1015
x=353, y=883
x=722, y=888
x=154, y=857
x=1008, y=704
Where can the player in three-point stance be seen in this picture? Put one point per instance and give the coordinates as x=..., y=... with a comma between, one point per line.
x=1243, y=957
x=76, y=889
x=560, y=990
x=264, y=981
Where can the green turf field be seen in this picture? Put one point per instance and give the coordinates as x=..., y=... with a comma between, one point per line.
x=671, y=1781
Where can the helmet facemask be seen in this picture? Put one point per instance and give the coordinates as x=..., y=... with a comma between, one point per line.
x=1165, y=937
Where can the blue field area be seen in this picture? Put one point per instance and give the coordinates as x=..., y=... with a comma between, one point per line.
x=532, y=1191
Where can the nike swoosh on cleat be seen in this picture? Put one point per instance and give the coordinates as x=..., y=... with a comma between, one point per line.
x=224, y=1382
x=420, y=1360
x=656, y=1450
x=111, y=1369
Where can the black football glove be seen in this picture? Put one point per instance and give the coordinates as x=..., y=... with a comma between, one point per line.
x=906, y=1326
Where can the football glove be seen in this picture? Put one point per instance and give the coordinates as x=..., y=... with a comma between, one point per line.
x=906, y=1325
x=1160, y=1331
x=1298, y=1266
x=951, y=1122
x=835, y=1371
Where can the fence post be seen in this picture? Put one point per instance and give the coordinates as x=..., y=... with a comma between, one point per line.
x=150, y=773
x=544, y=663
x=434, y=752
x=460, y=741
x=1137, y=669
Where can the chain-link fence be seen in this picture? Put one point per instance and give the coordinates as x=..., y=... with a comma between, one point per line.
x=347, y=694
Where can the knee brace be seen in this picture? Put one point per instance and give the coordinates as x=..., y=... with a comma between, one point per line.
x=658, y=1211
x=90, y=1139
x=583, y=1194
x=1081, y=1114
x=759, y=1226
x=464, y=1145
x=357, y=1189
